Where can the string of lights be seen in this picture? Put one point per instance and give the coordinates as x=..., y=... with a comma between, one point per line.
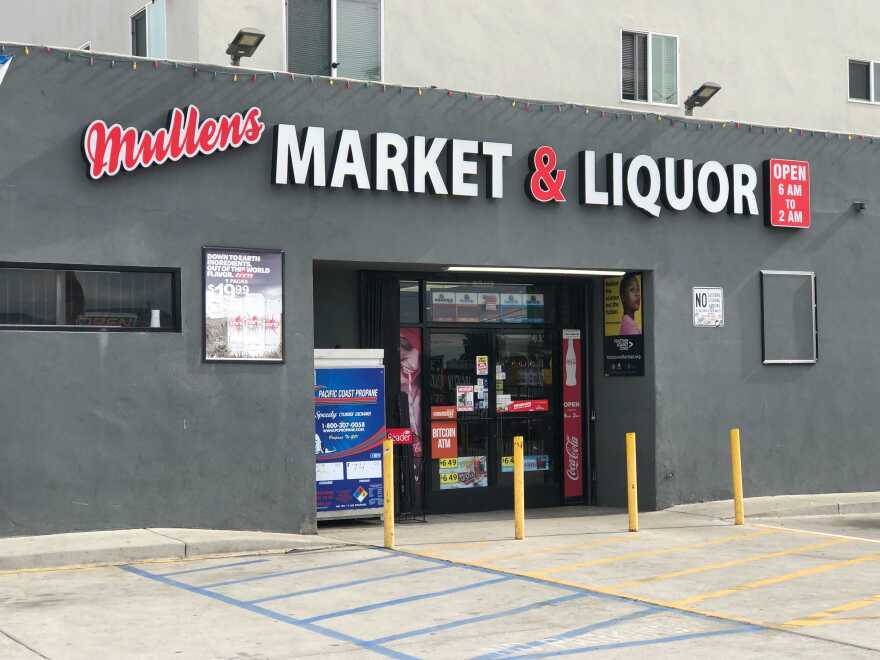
x=518, y=104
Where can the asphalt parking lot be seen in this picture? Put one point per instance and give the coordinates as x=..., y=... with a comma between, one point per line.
x=459, y=587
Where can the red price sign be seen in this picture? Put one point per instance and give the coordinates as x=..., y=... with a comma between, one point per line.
x=788, y=193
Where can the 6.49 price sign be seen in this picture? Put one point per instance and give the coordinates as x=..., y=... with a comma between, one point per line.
x=787, y=193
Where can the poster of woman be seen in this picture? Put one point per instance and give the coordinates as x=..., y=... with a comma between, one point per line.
x=411, y=383
x=624, y=344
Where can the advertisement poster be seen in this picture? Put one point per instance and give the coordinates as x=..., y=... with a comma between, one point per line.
x=442, y=412
x=467, y=308
x=624, y=344
x=489, y=306
x=513, y=308
x=536, y=463
x=504, y=404
x=482, y=365
x=400, y=436
x=464, y=398
x=463, y=472
x=411, y=383
x=535, y=307
x=573, y=447
x=443, y=306
x=349, y=429
x=243, y=305
x=444, y=439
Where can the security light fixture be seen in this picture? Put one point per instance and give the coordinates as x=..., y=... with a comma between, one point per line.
x=700, y=97
x=860, y=206
x=535, y=271
x=245, y=43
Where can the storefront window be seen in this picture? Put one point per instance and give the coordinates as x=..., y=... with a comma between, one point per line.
x=88, y=299
x=485, y=302
x=409, y=302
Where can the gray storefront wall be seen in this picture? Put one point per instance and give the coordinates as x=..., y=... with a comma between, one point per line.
x=113, y=430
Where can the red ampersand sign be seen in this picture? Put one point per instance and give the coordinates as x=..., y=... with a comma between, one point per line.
x=545, y=181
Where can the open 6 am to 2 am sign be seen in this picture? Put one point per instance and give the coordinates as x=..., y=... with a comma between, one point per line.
x=788, y=193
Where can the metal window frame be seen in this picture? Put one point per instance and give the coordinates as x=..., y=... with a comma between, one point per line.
x=334, y=40
x=802, y=273
x=650, y=34
x=862, y=60
x=146, y=28
x=177, y=326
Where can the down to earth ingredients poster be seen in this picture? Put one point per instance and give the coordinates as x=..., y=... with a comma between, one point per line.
x=243, y=305
x=349, y=429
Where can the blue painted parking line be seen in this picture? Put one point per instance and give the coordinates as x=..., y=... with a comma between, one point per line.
x=343, y=585
x=643, y=642
x=406, y=599
x=275, y=616
x=215, y=567
x=511, y=650
x=268, y=576
x=477, y=619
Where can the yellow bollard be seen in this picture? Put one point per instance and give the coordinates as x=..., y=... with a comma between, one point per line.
x=632, y=482
x=388, y=487
x=519, y=496
x=737, y=473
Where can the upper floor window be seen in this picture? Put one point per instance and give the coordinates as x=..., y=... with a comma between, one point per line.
x=139, y=33
x=862, y=81
x=336, y=38
x=649, y=67
x=148, y=30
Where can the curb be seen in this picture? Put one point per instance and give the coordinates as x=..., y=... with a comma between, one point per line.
x=754, y=510
x=110, y=548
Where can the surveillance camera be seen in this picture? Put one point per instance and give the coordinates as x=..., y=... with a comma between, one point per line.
x=860, y=206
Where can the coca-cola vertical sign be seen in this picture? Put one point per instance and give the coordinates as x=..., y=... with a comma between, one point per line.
x=573, y=447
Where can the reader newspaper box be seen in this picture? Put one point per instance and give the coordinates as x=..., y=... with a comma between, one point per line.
x=349, y=429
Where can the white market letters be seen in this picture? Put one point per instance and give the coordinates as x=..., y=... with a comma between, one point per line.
x=413, y=165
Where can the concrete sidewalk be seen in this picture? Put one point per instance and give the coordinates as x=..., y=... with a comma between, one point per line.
x=123, y=546
x=781, y=506
x=128, y=545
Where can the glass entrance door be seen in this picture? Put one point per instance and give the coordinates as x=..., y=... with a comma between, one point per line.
x=485, y=387
x=459, y=417
x=526, y=405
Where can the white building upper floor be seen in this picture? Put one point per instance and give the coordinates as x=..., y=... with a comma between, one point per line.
x=804, y=63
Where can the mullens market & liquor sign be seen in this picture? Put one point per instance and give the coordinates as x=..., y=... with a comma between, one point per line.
x=451, y=166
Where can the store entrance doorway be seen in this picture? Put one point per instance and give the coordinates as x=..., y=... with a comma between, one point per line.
x=494, y=384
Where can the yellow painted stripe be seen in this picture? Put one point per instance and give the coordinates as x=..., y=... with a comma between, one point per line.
x=614, y=592
x=557, y=548
x=825, y=617
x=727, y=564
x=778, y=579
x=653, y=553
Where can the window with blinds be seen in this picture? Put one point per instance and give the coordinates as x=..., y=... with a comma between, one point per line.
x=863, y=76
x=345, y=32
x=88, y=298
x=649, y=67
x=357, y=34
x=634, y=60
x=309, y=37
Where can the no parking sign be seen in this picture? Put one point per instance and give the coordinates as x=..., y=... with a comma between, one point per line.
x=708, y=306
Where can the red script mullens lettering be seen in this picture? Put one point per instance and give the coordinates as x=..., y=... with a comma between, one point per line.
x=111, y=148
